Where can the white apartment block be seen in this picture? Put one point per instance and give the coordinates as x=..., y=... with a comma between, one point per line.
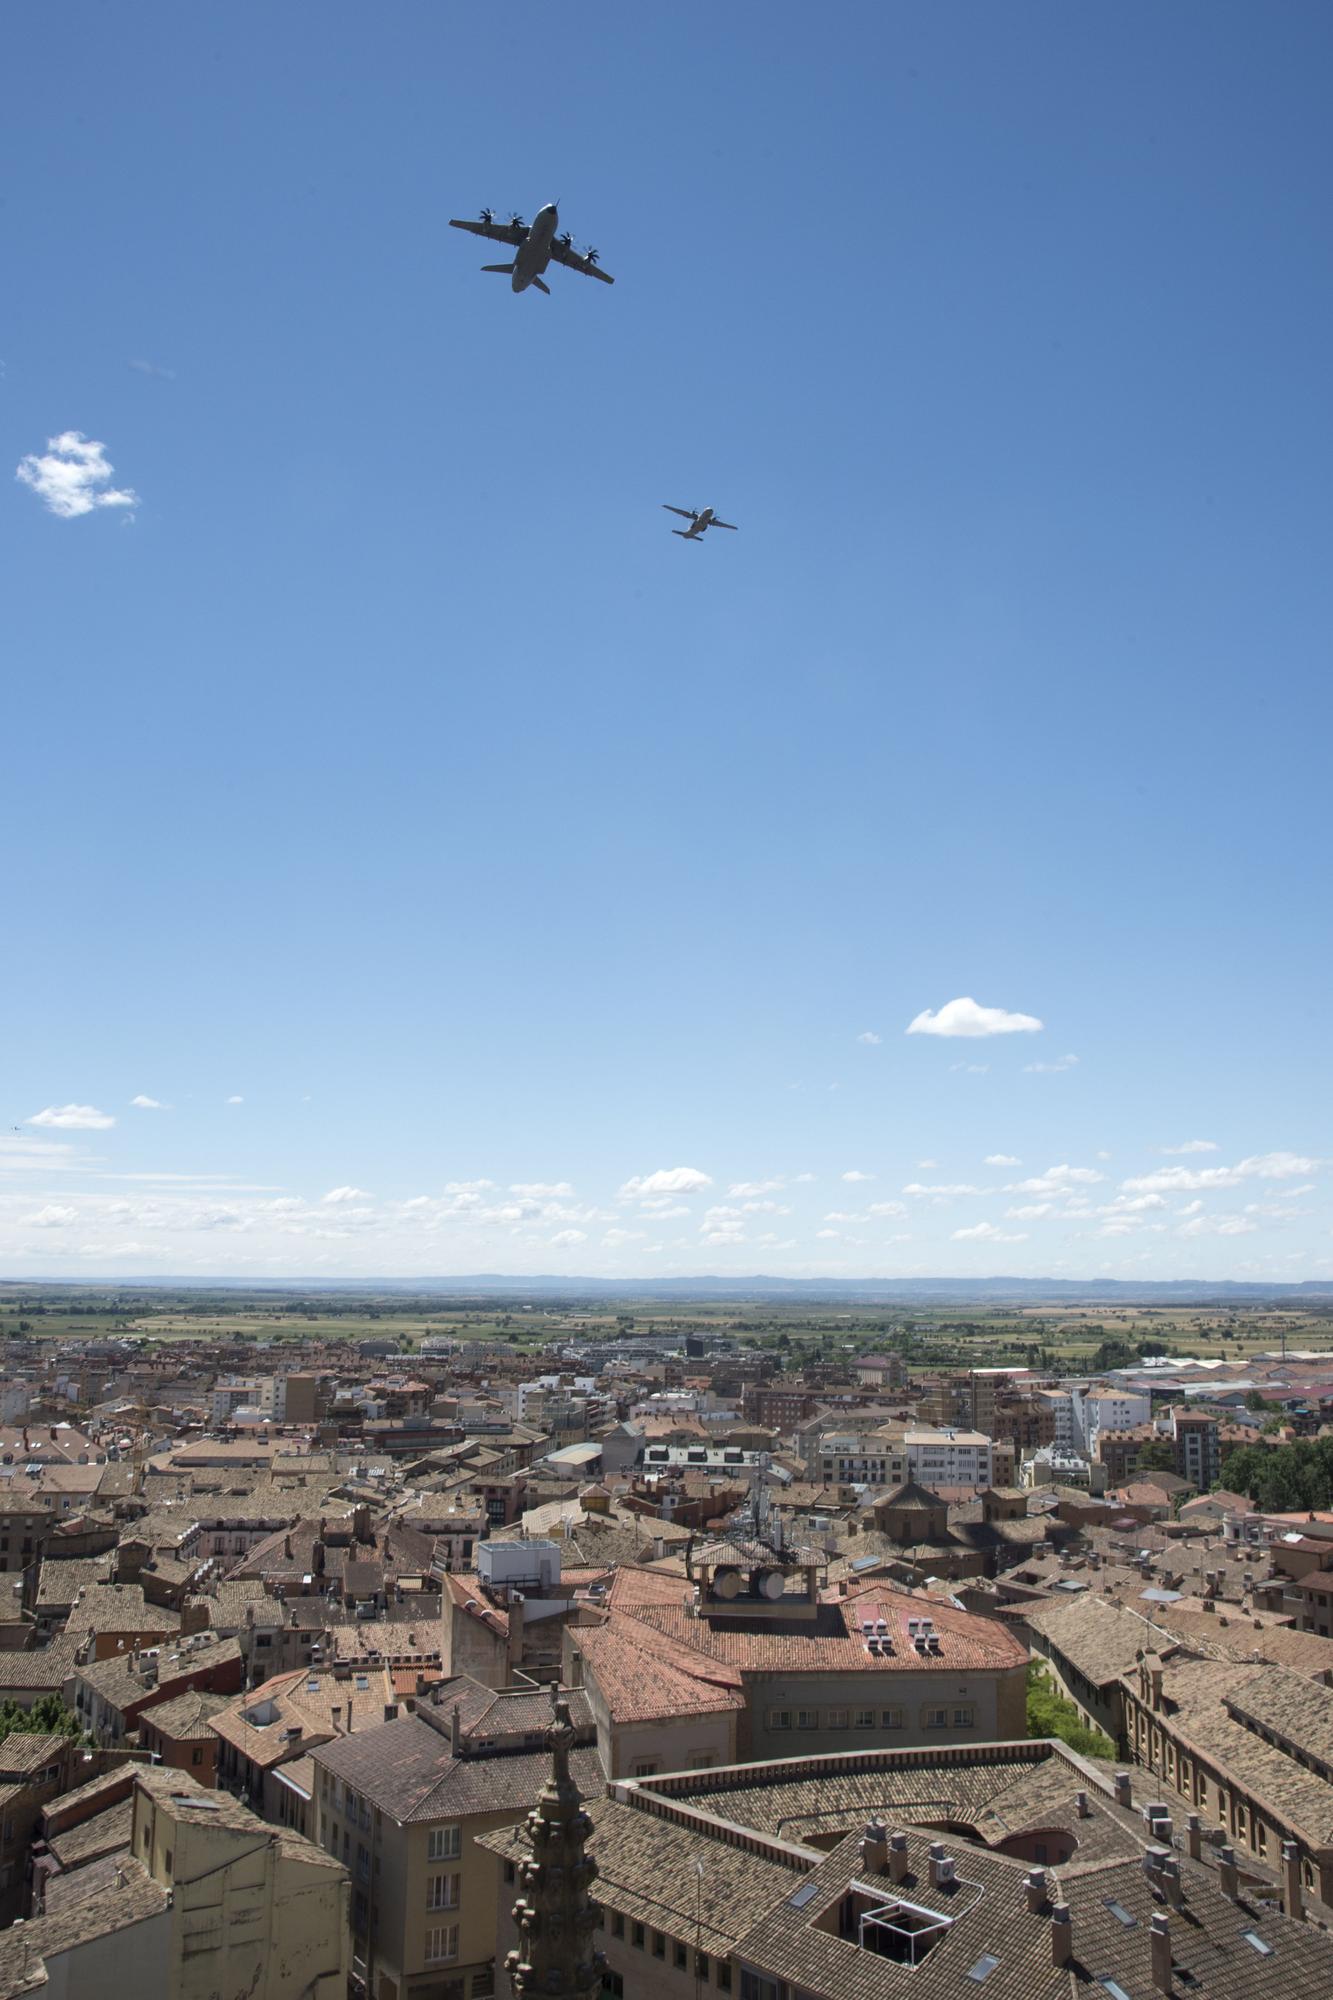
x=866, y=1459
x=1113, y=1410
x=948, y=1457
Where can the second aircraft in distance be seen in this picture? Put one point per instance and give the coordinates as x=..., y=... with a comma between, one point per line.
x=534, y=248
x=699, y=523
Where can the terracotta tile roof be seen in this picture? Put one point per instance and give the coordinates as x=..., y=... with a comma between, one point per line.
x=408, y=1770
x=646, y=1677
x=830, y=1642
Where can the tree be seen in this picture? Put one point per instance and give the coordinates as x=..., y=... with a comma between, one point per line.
x=1050, y=1714
x=1158, y=1455
x=48, y=1716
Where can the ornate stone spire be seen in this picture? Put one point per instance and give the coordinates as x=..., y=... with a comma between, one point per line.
x=556, y=1914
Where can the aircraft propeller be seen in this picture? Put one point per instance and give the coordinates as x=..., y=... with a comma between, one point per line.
x=487, y=217
x=590, y=256
x=566, y=241
x=516, y=221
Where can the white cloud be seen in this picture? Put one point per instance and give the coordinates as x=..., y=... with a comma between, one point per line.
x=142, y=1103
x=73, y=1118
x=971, y=1069
x=1259, y=1166
x=1057, y=1180
x=1030, y=1211
x=870, y=1038
x=928, y=1166
x=1055, y=1068
x=942, y=1187
x=855, y=1174
x=739, y=1188
x=887, y=1208
x=72, y=477
x=541, y=1190
x=235, y=1100
x=798, y=1178
x=1191, y=1146
x=965, y=1017
x=1217, y=1225
x=663, y=1207
x=667, y=1180
x=827, y=1235
x=987, y=1232
x=565, y=1239
x=342, y=1194
x=1194, y=1207
x=1001, y=1160
x=52, y=1217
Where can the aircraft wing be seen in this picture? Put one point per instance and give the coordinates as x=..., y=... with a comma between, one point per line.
x=723, y=524
x=684, y=512
x=573, y=262
x=495, y=232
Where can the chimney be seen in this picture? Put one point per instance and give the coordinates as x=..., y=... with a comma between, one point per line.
x=875, y=1847
x=1161, y=1951
x=659, y=1547
x=1034, y=1890
x=336, y=1717
x=1228, y=1874
x=1062, y=1935
x=1081, y=1806
x=1123, y=1789
x=456, y=1730
x=898, y=1858
x=1292, y=1899
x=1194, y=1835
x=1172, y=1885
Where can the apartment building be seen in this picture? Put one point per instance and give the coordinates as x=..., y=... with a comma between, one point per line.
x=945, y=1457
x=402, y=1806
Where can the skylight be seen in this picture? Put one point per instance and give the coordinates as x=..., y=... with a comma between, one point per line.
x=1256, y=1943
x=983, y=1969
x=800, y=1897
x=1121, y=1914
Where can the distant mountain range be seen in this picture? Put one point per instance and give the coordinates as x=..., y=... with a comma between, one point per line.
x=813, y=1291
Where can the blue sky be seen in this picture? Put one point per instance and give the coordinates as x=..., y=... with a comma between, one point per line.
x=381, y=763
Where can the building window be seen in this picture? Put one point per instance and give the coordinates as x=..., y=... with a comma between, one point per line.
x=807, y=1718
x=701, y=1967
x=864, y=1718
x=441, y=1943
x=964, y=1718
x=442, y=1892
x=659, y=1945
x=837, y=1718
x=444, y=1843
x=779, y=1718
x=196, y=1756
x=680, y=1957
x=724, y=1975
x=937, y=1718
x=643, y=1767
x=617, y=1924
x=636, y=1936
x=891, y=1718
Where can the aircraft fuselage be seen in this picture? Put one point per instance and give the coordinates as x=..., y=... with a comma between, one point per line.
x=534, y=252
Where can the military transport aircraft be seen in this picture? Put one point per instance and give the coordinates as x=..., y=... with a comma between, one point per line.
x=698, y=522
x=534, y=248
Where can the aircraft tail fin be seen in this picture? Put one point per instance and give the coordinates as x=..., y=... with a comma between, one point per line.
x=506, y=268
x=542, y=286
x=687, y=534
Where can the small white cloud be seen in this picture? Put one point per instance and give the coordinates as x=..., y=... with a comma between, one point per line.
x=739, y=1188
x=565, y=1239
x=541, y=1190
x=1056, y=1068
x=1192, y=1146
x=1030, y=1211
x=965, y=1017
x=1057, y=1180
x=1002, y=1160
x=235, y=1100
x=142, y=1103
x=799, y=1178
x=947, y=1188
x=341, y=1194
x=1217, y=1225
x=73, y=1118
x=928, y=1166
x=987, y=1232
x=855, y=1174
x=73, y=476
x=52, y=1217
x=887, y=1208
x=667, y=1180
x=971, y=1069
x=827, y=1235
x=1194, y=1207
x=870, y=1038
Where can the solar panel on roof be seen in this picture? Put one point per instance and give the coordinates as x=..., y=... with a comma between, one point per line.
x=865, y=1562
